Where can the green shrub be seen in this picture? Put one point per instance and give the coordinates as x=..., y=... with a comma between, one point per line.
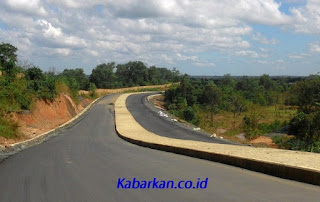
x=8, y=128
x=268, y=128
x=189, y=114
x=92, y=90
x=306, y=126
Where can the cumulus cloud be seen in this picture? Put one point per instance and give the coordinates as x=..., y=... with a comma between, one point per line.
x=29, y=7
x=165, y=32
x=307, y=18
x=53, y=36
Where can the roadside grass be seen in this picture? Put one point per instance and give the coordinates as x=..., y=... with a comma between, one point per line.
x=8, y=128
x=103, y=92
x=231, y=126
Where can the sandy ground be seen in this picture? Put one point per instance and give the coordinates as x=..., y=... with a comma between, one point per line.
x=128, y=127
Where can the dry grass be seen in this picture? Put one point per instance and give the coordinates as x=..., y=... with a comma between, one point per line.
x=226, y=125
x=102, y=92
x=233, y=126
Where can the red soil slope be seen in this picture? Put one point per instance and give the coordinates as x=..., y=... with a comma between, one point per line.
x=45, y=116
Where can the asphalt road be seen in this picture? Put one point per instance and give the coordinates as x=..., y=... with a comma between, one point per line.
x=85, y=162
x=150, y=120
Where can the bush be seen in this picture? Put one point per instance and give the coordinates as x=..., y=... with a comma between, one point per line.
x=286, y=142
x=262, y=128
x=306, y=126
x=189, y=114
x=303, y=145
x=281, y=141
x=8, y=128
x=268, y=128
x=92, y=90
x=43, y=86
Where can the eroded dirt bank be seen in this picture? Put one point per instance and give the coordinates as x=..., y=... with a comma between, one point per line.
x=45, y=116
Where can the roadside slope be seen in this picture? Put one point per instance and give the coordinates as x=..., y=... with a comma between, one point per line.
x=45, y=116
x=300, y=166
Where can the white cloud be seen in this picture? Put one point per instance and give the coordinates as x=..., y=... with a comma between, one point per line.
x=55, y=37
x=247, y=53
x=315, y=48
x=261, y=39
x=204, y=64
x=29, y=7
x=183, y=57
x=307, y=18
x=299, y=56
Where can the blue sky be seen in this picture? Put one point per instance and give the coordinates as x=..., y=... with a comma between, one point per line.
x=198, y=37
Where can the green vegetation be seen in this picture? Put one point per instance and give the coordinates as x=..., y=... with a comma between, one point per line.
x=131, y=74
x=254, y=105
x=20, y=86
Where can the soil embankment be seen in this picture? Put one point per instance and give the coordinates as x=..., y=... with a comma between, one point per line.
x=45, y=116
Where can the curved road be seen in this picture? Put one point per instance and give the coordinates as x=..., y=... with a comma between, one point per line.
x=146, y=115
x=85, y=162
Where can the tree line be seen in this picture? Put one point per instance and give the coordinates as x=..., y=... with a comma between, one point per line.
x=198, y=96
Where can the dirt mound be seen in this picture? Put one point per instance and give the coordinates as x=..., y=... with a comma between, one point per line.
x=263, y=140
x=46, y=116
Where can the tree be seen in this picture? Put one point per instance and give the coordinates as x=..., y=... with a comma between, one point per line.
x=189, y=114
x=43, y=85
x=185, y=83
x=8, y=59
x=212, y=97
x=35, y=78
x=306, y=124
x=254, y=116
x=78, y=75
x=266, y=82
x=237, y=104
x=227, y=81
x=137, y=73
x=7, y=53
x=307, y=94
x=103, y=76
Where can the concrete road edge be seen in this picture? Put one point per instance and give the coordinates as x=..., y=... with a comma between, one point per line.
x=123, y=115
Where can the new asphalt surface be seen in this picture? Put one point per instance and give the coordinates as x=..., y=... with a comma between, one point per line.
x=148, y=117
x=85, y=162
